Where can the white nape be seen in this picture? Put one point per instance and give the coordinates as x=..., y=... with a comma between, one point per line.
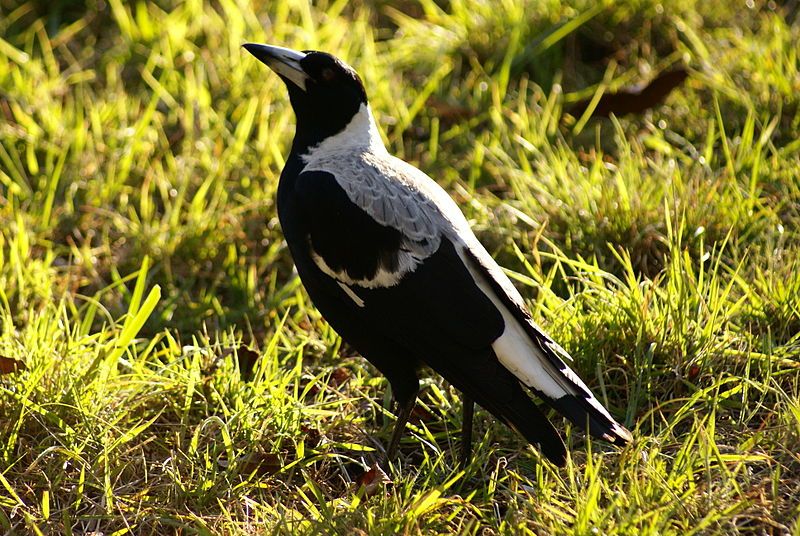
x=360, y=133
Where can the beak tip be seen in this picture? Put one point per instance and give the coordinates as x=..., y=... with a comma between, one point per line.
x=284, y=61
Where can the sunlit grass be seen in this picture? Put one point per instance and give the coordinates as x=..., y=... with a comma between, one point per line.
x=178, y=379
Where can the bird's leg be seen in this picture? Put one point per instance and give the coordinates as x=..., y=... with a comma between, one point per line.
x=467, y=410
x=404, y=409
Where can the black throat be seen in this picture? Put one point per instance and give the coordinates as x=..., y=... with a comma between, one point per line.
x=307, y=136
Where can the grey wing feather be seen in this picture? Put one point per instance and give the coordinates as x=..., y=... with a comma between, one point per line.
x=395, y=194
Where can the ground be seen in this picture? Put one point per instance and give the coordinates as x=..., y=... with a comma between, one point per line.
x=163, y=371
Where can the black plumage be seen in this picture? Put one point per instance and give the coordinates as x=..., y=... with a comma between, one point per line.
x=390, y=262
x=346, y=237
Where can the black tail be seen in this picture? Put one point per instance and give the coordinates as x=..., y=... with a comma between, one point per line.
x=578, y=410
x=521, y=414
x=499, y=392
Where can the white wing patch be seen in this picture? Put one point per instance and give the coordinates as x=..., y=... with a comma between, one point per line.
x=382, y=278
x=351, y=293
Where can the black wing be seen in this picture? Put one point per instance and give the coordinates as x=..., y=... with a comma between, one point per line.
x=344, y=236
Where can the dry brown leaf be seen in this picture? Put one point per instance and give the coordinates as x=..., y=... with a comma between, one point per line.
x=634, y=100
x=339, y=376
x=693, y=372
x=9, y=365
x=449, y=113
x=372, y=481
x=262, y=463
x=420, y=415
x=245, y=356
x=313, y=436
x=247, y=361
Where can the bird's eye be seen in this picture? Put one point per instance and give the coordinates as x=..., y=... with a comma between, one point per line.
x=328, y=74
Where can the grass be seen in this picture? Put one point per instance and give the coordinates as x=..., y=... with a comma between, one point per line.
x=175, y=377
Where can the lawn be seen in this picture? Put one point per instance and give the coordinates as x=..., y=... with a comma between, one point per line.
x=163, y=371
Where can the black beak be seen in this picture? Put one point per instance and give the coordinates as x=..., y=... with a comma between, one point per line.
x=284, y=61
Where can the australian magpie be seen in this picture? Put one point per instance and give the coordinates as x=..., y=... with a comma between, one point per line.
x=392, y=264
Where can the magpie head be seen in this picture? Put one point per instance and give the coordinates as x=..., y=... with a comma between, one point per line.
x=324, y=91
